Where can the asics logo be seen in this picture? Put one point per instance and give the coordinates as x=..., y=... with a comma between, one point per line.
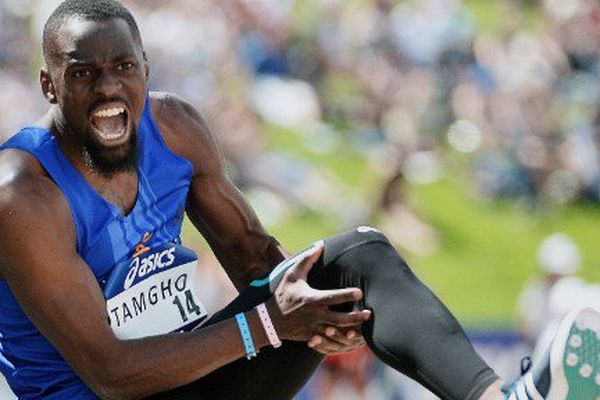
x=142, y=266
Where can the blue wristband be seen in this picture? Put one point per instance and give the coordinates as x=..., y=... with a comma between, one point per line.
x=246, y=335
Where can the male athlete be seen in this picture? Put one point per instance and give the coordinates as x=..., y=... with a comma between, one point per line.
x=98, y=295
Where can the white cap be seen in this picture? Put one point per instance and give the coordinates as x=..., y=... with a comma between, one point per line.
x=558, y=254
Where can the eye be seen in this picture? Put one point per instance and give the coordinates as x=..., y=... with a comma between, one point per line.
x=82, y=73
x=125, y=66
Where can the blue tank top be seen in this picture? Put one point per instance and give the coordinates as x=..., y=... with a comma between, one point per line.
x=32, y=366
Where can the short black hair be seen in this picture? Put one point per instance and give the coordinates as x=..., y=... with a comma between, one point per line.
x=93, y=10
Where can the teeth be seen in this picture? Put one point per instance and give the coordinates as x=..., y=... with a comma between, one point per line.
x=110, y=112
x=112, y=136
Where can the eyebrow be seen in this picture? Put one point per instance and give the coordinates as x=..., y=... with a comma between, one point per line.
x=75, y=61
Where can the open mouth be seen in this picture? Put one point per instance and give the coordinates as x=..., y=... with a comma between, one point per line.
x=111, y=123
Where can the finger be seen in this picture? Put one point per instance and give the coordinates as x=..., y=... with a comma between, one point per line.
x=353, y=334
x=315, y=341
x=345, y=338
x=330, y=331
x=305, y=264
x=356, y=337
x=346, y=320
x=339, y=296
x=326, y=346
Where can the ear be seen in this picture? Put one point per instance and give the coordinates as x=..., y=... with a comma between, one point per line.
x=47, y=86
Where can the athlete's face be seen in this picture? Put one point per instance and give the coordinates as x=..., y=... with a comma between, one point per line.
x=97, y=75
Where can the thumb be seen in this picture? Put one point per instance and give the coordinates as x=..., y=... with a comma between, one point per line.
x=304, y=266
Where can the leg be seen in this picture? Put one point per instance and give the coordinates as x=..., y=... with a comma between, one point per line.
x=413, y=332
x=410, y=330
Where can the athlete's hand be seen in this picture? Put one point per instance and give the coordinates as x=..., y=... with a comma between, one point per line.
x=337, y=340
x=302, y=313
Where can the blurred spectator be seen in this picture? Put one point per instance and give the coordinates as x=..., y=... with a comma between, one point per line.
x=545, y=300
x=403, y=227
x=412, y=79
x=345, y=376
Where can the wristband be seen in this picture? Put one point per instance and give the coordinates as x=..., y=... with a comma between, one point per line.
x=268, y=325
x=246, y=335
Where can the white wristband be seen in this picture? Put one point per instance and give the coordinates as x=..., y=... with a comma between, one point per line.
x=268, y=325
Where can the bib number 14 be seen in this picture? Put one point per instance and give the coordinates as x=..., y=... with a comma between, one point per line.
x=188, y=306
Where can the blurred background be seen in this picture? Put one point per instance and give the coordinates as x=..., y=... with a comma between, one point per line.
x=467, y=131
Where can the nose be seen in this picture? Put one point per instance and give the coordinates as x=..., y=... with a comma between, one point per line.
x=107, y=84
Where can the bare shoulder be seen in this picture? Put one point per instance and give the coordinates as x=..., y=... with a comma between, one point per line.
x=24, y=180
x=32, y=208
x=185, y=131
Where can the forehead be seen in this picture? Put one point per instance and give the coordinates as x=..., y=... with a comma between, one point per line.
x=95, y=41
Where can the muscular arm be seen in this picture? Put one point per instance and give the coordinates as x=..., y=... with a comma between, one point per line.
x=220, y=213
x=60, y=295
x=215, y=206
x=58, y=292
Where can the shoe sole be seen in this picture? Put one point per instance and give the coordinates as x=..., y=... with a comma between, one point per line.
x=575, y=357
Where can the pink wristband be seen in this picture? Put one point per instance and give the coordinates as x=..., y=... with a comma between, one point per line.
x=268, y=325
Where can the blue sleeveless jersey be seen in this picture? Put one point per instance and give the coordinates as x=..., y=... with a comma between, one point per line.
x=32, y=366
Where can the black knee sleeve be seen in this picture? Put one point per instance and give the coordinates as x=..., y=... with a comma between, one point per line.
x=410, y=330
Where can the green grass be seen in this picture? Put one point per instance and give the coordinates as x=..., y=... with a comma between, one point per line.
x=345, y=161
x=489, y=249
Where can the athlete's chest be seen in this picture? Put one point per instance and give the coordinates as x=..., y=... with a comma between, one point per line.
x=108, y=235
x=121, y=190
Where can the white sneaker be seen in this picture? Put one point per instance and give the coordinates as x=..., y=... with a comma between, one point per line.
x=571, y=370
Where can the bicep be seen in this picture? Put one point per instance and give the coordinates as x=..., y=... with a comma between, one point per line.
x=217, y=207
x=214, y=205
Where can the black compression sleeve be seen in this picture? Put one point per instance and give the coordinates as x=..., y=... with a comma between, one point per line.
x=410, y=330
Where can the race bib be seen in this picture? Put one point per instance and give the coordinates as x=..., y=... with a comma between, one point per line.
x=154, y=293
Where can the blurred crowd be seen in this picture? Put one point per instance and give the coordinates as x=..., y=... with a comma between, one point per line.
x=548, y=297
x=406, y=81
x=412, y=86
